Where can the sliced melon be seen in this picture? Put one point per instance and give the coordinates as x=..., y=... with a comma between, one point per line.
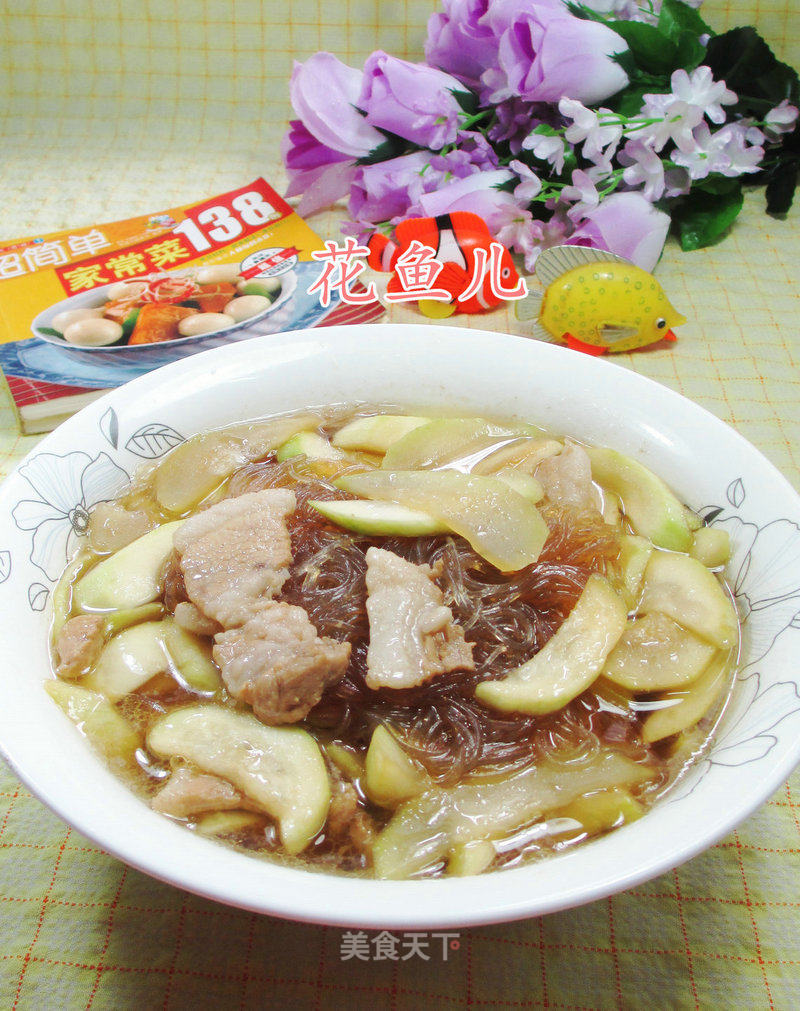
x=310, y=444
x=523, y=455
x=501, y=525
x=655, y=654
x=191, y=471
x=189, y=659
x=634, y=554
x=97, y=719
x=131, y=576
x=280, y=769
x=682, y=710
x=711, y=546
x=470, y=858
x=118, y=621
x=392, y=776
x=377, y=433
x=128, y=661
x=686, y=591
x=525, y=484
x=652, y=509
x=140, y=652
x=569, y=662
x=346, y=759
x=460, y=442
x=221, y=823
x=604, y=810
x=381, y=519
x=425, y=829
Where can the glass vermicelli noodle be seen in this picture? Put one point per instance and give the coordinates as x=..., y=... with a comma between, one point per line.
x=546, y=684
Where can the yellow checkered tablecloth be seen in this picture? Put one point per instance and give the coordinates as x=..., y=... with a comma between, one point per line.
x=111, y=109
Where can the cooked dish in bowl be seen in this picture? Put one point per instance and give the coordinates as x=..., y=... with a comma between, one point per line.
x=165, y=306
x=396, y=646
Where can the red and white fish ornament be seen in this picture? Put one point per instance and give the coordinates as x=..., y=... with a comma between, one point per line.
x=472, y=277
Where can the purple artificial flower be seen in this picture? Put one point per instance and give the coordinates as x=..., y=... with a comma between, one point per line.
x=732, y=151
x=388, y=189
x=546, y=146
x=411, y=100
x=530, y=184
x=626, y=224
x=459, y=43
x=675, y=121
x=546, y=54
x=319, y=173
x=473, y=154
x=324, y=93
x=513, y=121
x=529, y=236
x=644, y=168
x=477, y=193
x=582, y=194
x=781, y=119
x=599, y=132
x=624, y=10
x=702, y=90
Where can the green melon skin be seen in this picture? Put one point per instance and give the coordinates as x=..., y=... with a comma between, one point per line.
x=652, y=509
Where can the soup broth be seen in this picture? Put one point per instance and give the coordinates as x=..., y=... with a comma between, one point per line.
x=368, y=643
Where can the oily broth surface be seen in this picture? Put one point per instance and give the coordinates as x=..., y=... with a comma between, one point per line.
x=508, y=617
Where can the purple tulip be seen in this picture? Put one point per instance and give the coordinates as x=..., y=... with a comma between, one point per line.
x=411, y=100
x=546, y=54
x=460, y=42
x=324, y=94
x=320, y=174
x=388, y=189
x=626, y=224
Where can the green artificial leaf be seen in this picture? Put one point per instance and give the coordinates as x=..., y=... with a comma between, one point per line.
x=468, y=100
x=650, y=48
x=702, y=218
x=781, y=187
x=585, y=13
x=748, y=66
x=392, y=147
x=630, y=101
x=717, y=184
x=780, y=173
x=678, y=18
x=691, y=51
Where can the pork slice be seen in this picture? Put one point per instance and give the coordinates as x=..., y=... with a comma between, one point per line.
x=78, y=645
x=348, y=823
x=235, y=555
x=567, y=478
x=412, y=635
x=112, y=527
x=187, y=793
x=174, y=589
x=277, y=663
x=194, y=621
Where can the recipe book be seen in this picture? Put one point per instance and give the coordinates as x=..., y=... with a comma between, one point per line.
x=86, y=309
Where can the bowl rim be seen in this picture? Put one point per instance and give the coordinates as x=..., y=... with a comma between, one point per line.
x=367, y=903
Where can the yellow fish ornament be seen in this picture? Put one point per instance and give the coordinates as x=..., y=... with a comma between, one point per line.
x=597, y=302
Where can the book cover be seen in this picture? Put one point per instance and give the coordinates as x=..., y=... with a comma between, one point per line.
x=87, y=309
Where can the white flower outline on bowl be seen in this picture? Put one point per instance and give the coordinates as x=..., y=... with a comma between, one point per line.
x=66, y=488
x=766, y=585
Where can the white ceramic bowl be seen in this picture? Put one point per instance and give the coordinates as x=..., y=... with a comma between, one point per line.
x=43, y=509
